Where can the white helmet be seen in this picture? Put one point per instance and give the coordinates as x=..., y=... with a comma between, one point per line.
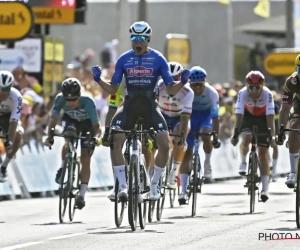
x=140, y=29
x=6, y=79
x=175, y=68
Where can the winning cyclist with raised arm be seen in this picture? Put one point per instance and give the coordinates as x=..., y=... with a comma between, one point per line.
x=141, y=67
x=80, y=115
x=177, y=111
x=204, y=118
x=255, y=107
x=10, y=114
x=290, y=110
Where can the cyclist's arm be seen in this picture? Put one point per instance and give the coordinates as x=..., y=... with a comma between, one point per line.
x=215, y=111
x=112, y=86
x=90, y=107
x=286, y=100
x=239, y=112
x=57, y=106
x=270, y=112
x=15, y=117
x=186, y=112
x=110, y=114
x=172, y=87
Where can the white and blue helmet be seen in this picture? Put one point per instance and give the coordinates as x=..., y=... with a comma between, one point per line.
x=140, y=28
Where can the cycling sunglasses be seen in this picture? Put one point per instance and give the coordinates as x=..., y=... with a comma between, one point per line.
x=5, y=89
x=254, y=86
x=139, y=38
x=73, y=99
x=196, y=84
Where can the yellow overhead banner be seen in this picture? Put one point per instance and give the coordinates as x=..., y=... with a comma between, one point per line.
x=263, y=8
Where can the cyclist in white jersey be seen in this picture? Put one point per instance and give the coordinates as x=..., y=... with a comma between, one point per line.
x=10, y=113
x=176, y=111
x=255, y=107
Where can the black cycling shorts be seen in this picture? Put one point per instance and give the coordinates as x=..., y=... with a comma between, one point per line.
x=250, y=120
x=79, y=126
x=139, y=106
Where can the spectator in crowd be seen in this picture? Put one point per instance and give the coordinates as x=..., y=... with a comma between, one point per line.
x=105, y=56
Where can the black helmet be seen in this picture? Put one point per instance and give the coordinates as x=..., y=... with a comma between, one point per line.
x=71, y=87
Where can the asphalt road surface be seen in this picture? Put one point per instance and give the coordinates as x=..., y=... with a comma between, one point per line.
x=222, y=222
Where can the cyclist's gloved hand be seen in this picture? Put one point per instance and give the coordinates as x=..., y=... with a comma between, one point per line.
x=234, y=140
x=97, y=71
x=272, y=142
x=185, y=76
x=216, y=143
x=280, y=138
x=97, y=141
x=49, y=142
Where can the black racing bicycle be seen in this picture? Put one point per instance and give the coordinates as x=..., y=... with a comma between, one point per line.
x=297, y=185
x=138, y=178
x=163, y=182
x=253, y=165
x=195, y=178
x=70, y=175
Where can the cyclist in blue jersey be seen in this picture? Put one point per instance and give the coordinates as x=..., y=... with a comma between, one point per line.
x=141, y=66
x=80, y=115
x=205, y=117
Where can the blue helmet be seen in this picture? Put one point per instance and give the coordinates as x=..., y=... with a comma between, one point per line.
x=197, y=74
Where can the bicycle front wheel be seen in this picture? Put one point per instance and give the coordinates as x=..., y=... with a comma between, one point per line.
x=63, y=192
x=253, y=169
x=119, y=207
x=133, y=192
x=75, y=179
x=195, y=184
x=298, y=197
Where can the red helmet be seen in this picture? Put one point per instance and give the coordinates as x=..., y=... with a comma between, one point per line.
x=255, y=77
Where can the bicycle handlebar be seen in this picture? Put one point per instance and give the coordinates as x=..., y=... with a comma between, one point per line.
x=282, y=129
x=151, y=132
x=181, y=142
x=53, y=134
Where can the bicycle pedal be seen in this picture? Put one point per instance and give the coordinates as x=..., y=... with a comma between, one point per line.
x=182, y=202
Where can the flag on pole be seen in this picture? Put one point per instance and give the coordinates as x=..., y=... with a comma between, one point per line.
x=224, y=1
x=263, y=8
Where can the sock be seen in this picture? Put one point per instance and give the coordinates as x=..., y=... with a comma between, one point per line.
x=207, y=158
x=176, y=166
x=294, y=161
x=157, y=174
x=265, y=182
x=243, y=158
x=83, y=188
x=120, y=174
x=274, y=165
x=183, y=182
x=6, y=161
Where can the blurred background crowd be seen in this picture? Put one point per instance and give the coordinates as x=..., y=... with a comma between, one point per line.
x=36, y=109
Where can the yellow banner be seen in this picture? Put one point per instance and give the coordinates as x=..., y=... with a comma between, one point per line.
x=224, y=1
x=53, y=50
x=48, y=15
x=263, y=8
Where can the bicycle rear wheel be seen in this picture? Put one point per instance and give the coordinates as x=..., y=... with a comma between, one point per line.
x=133, y=192
x=119, y=207
x=195, y=183
x=172, y=192
x=63, y=192
x=161, y=201
x=298, y=197
x=253, y=170
x=143, y=206
x=151, y=210
x=75, y=179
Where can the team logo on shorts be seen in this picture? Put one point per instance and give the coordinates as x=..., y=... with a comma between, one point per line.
x=139, y=71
